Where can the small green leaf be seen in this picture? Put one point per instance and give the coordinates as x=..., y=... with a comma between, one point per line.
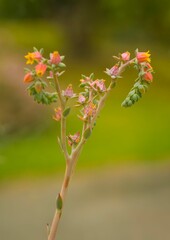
x=35, y=49
x=59, y=202
x=131, y=93
x=92, y=76
x=66, y=112
x=87, y=133
x=26, y=70
x=136, y=85
x=124, y=104
x=83, y=76
x=82, y=85
x=135, y=97
x=130, y=103
x=41, y=50
x=61, y=64
x=62, y=58
x=45, y=99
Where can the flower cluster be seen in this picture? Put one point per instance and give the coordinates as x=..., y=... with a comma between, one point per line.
x=88, y=99
x=142, y=63
x=46, y=71
x=145, y=77
x=39, y=78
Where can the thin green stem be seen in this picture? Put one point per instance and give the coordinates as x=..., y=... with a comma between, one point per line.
x=57, y=85
x=63, y=191
x=63, y=119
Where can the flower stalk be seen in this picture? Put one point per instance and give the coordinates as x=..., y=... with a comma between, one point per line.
x=90, y=101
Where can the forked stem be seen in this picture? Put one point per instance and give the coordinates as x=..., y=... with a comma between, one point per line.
x=71, y=159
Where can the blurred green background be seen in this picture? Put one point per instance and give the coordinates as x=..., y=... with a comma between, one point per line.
x=88, y=33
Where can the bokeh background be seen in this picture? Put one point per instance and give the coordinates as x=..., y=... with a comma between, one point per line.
x=121, y=188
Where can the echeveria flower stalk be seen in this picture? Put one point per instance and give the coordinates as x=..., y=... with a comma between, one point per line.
x=90, y=100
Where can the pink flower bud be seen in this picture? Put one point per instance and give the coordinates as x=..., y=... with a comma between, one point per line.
x=51, y=74
x=40, y=69
x=69, y=91
x=37, y=56
x=89, y=110
x=58, y=113
x=28, y=77
x=143, y=57
x=113, y=71
x=74, y=139
x=55, y=58
x=148, y=76
x=125, y=56
x=81, y=99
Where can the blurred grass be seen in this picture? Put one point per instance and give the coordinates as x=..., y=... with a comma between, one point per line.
x=134, y=135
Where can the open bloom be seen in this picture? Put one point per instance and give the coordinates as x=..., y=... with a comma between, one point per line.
x=58, y=113
x=100, y=84
x=28, y=77
x=125, y=56
x=55, y=58
x=40, y=69
x=32, y=57
x=143, y=57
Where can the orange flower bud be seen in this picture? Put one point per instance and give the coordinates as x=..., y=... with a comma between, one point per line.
x=148, y=66
x=143, y=57
x=40, y=69
x=28, y=77
x=58, y=113
x=148, y=76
